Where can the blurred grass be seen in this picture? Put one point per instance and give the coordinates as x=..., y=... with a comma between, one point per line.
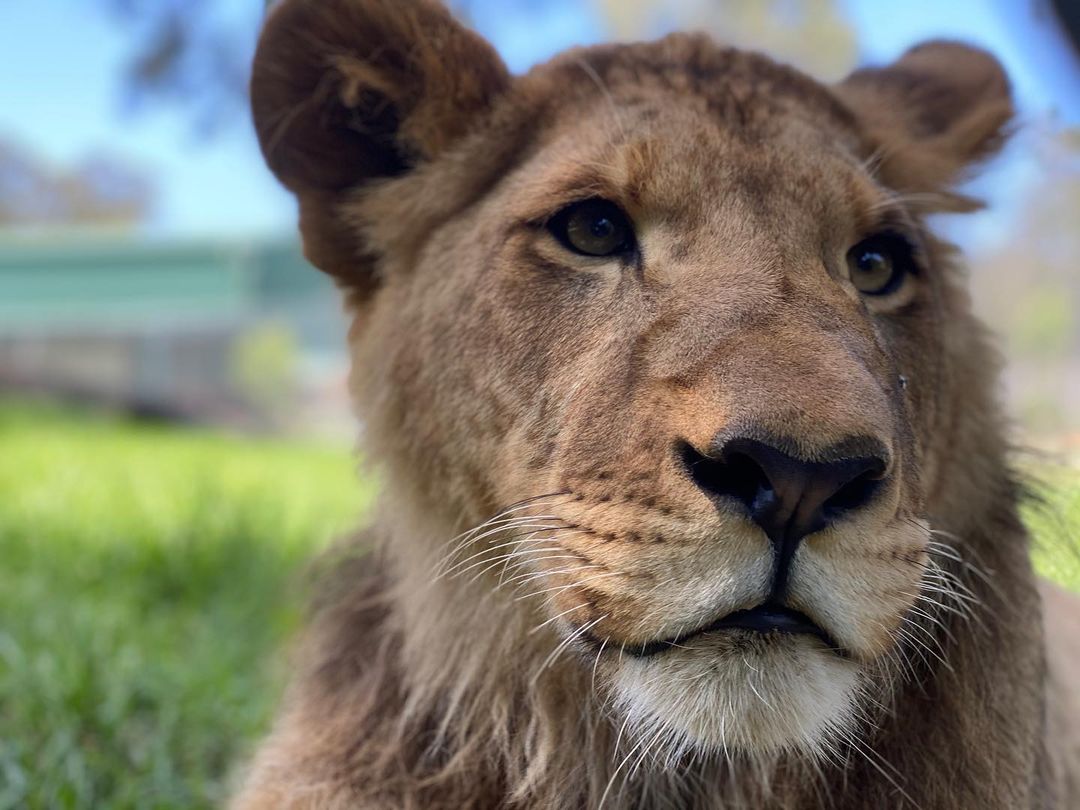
x=1053, y=516
x=148, y=576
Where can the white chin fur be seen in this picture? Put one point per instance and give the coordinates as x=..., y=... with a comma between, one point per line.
x=731, y=695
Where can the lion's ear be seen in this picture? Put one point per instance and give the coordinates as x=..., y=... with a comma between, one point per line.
x=934, y=113
x=347, y=91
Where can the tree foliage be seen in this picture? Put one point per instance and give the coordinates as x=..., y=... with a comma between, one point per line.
x=100, y=190
x=811, y=34
x=194, y=54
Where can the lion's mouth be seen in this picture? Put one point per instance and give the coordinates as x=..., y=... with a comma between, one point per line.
x=765, y=619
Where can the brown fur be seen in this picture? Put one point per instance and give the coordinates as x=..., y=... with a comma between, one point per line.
x=491, y=366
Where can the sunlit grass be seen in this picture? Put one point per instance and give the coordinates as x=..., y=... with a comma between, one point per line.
x=1053, y=516
x=147, y=574
x=148, y=578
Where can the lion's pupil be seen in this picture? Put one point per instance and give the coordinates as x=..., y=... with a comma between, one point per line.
x=872, y=263
x=875, y=270
x=602, y=228
x=594, y=233
x=879, y=264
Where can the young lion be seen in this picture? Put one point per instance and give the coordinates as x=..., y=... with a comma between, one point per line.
x=665, y=325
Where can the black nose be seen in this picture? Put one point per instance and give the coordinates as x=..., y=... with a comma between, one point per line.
x=788, y=497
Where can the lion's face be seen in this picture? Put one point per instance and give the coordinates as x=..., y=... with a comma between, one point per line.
x=667, y=318
x=712, y=409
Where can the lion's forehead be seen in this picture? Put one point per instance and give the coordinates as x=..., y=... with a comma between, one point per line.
x=748, y=91
x=731, y=152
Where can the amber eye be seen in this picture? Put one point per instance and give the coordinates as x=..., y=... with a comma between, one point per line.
x=593, y=228
x=879, y=264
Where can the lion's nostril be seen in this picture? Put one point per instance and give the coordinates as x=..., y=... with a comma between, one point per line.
x=737, y=476
x=854, y=494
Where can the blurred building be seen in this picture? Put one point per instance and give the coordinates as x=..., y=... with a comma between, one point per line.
x=236, y=333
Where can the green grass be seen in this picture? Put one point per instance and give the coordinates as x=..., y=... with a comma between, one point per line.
x=148, y=578
x=1054, y=520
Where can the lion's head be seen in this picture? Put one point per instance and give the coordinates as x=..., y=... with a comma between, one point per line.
x=672, y=314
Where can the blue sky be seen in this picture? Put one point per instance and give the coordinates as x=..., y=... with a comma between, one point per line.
x=62, y=97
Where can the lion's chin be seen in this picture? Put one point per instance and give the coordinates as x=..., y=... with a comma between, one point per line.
x=732, y=693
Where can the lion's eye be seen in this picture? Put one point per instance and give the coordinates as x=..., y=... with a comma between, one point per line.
x=593, y=228
x=879, y=264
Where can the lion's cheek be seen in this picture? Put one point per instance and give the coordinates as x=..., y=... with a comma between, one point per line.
x=861, y=586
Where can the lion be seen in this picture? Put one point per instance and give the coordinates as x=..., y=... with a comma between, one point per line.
x=696, y=492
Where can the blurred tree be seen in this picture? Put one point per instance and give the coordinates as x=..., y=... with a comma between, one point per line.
x=99, y=191
x=1028, y=288
x=190, y=53
x=1068, y=12
x=195, y=53
x=1042, y=249
x=810, y=34
x=264, y=366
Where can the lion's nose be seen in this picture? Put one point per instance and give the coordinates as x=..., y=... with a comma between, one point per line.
x=789, y=497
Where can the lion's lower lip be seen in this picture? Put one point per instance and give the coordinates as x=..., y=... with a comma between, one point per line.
x=763, y=619
x=768, y=618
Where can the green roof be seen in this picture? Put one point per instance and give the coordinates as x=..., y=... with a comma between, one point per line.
x=128, y=285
